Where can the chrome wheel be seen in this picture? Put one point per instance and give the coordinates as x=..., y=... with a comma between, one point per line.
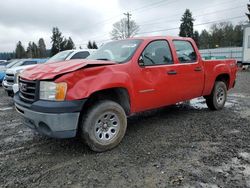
x=107, y=127
x=220, y=96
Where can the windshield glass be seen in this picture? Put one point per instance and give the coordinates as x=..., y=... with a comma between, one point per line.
x=12, y=63
x=118, y=51
x=61, y=56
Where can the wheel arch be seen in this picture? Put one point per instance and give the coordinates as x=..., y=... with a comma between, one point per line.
x=119, y=95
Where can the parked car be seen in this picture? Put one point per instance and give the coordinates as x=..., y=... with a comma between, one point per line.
x=71, y=54
x=4, y=66
x=94, y=96
x=2, y=61
x=12, y=73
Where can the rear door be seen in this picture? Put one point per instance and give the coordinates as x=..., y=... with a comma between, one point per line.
x=190, y=72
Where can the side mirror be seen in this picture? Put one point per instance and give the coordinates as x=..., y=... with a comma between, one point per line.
x=141, y=61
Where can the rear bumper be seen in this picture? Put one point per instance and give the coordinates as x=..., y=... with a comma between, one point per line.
x=57, y=122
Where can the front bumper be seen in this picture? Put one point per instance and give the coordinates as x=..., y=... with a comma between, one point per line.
x=53, y=119
x=6, y=86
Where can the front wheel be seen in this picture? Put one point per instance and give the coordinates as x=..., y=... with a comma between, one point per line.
x=104, y=126
x=217, y=99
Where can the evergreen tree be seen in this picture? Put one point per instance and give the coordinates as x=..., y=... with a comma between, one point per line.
x=56, y=41
x=238, y=35
x=41, y=48
x=186, y=27
x=20, y=51
x=34, y=50
x=29, y=53
x=69, y=44
x=89, y=46
x=196, y=38
x=205, y=40
x=94, y=45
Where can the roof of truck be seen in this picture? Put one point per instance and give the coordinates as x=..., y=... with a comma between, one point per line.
x=161, y=37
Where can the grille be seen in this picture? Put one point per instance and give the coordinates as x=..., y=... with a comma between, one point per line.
x=27, y=90
x=10, y=78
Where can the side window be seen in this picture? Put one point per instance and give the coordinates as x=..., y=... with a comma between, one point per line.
x=80, y=55
x=185, y=51
x=157, y=53
x=29, y=63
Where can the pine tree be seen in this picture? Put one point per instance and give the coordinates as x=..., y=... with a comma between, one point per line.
x=34, y=50
x=196, y=38
x=56, y=41
x=20, y=51
x=205, y=41
x=29, y=53
x=186, y=27
x=94, y=45
x=69, y=44
x=41, y=48
x=89, y=46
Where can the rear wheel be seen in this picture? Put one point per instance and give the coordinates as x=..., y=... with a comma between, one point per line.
x=217, y=99
x=104, y=126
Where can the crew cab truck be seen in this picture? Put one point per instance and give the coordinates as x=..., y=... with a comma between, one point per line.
x=93, y=97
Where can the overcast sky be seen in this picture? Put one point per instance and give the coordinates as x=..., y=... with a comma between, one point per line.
x=83, y=20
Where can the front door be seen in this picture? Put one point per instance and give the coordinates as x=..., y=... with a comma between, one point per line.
x=156, y=81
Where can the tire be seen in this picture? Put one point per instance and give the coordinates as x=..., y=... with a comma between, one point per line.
x=10, y=93
x=217, y=99
x=103, y=126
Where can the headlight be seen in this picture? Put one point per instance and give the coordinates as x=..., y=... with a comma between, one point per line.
x=53, y=91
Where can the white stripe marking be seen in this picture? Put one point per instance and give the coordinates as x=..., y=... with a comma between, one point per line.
x=5, y=109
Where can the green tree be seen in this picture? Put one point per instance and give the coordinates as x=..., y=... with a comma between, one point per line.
x=69, y=44
x=94, y=45
x=57, y=41
x=196, y=38
x=41, y=48
x=187, y=25
x=120, y=29
x=29, y=53
x=20, y=51
x=34, y=50
x=205, y=40
x=89, y=45
x=238, y=35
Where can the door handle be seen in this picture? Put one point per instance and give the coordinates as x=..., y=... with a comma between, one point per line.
x=198, y=69
x=172, y=72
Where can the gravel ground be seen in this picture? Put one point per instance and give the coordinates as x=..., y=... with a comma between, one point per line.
x=185, y=145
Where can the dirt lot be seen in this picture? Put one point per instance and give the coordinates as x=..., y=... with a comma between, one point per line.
x=185, y=145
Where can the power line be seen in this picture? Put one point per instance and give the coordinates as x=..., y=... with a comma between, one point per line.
x=205, y=23
x=198, y=10
x=200, y=15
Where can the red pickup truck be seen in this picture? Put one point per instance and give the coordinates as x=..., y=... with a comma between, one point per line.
x=93, y=97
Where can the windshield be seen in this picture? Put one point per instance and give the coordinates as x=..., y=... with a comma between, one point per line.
x=61, y=56
x=118, y=51
x=12, y=63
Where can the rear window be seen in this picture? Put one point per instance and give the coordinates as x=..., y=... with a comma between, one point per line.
x=185, y=51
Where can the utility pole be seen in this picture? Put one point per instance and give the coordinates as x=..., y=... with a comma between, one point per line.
x=128, y=25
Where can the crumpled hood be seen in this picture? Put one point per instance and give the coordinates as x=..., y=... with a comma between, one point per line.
x=50, y=70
